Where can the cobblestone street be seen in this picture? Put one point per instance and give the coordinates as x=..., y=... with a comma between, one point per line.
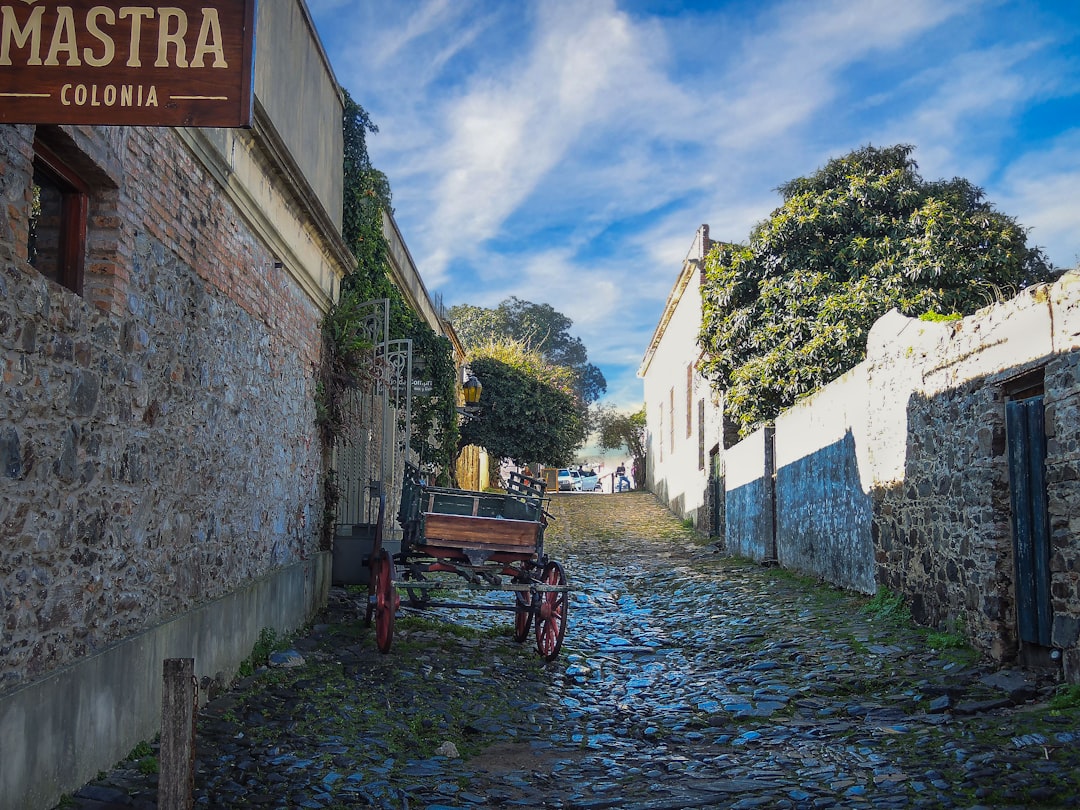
x=687, y=679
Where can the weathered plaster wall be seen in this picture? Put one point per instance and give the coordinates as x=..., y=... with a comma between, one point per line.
x=682, y=412
x=749, y=528
x=897, y=474
x=824, y=513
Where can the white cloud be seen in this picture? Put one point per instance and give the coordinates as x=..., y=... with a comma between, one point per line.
x=1040, y=191
x=565, y=152
x=504, y=135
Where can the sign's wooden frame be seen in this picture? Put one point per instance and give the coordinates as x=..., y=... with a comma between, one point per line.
x=180, y=63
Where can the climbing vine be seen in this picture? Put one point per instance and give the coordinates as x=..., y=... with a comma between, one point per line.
x=346, y=352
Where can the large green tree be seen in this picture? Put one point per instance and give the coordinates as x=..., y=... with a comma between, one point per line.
x=538, y=326
x=529, y=411
x=866, y=233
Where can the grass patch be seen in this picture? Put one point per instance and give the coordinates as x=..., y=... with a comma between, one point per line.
x=1067, y=696
x=946, y=641
x=268, y=643
x=143, y=757
x=888, y=606
x=446, y=628
x=141, y=750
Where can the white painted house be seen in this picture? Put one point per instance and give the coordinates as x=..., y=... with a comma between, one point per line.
x=683, y=415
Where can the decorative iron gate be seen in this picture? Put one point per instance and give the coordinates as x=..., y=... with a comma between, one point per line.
x=370, y=456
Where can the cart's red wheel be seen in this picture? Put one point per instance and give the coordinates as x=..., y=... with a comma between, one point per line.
x=551, y=613
x=386, y=601
x=523, y=613
x=373, y=558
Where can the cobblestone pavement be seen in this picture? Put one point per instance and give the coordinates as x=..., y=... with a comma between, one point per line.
x=687, y=680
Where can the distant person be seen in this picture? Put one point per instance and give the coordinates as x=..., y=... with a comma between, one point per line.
x=621, y=479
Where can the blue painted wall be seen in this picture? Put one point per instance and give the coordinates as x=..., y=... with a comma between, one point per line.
x=823, y=517
x=748, y=520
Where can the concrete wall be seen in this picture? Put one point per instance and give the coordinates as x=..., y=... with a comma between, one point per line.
x=408, y=279
x=65, y=728
x=298, y=96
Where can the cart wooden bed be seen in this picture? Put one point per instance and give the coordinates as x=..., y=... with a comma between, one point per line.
x=491, y=541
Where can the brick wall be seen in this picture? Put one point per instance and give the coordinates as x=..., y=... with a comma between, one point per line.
x=157, y=434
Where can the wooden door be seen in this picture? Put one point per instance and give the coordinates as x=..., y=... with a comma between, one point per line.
x=1031, y=525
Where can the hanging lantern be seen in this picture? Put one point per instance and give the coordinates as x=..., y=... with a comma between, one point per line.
x=472, y=389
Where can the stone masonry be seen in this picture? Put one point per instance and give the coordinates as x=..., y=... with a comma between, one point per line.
x=900, y=469
x=943, y=531
x=157, y=442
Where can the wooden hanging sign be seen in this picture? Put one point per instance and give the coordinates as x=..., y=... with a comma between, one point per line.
x=179, y=63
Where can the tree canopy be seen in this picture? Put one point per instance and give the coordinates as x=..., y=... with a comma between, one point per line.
x=866, y=233
x=618, y=430
x=537, y=326
x=528, y=410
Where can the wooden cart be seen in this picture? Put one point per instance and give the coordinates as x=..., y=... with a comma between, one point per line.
x=491, y=541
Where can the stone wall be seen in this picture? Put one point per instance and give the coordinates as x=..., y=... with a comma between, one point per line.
x=156, y=434
x=943, y=534
x=943, y=527
x=1063, y=499
x=897, y=474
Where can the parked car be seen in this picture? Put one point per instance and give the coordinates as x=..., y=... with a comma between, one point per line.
x=569, y=480
x=589, y=481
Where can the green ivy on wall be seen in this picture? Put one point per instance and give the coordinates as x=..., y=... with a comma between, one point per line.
x=345, y=361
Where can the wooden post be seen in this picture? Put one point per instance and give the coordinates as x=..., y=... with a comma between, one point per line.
x=176, y=782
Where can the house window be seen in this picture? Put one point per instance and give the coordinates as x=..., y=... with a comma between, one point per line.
x=689, y=400
x=57, y=239
x=671, y=411
x=701, y=434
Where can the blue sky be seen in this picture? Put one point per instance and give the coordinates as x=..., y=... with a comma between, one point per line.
x=566, y=151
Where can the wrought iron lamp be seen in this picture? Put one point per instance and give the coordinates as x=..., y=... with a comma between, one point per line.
x=471, y=389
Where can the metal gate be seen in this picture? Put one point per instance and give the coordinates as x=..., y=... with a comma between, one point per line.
x=370, y=457
x=1031, y=529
